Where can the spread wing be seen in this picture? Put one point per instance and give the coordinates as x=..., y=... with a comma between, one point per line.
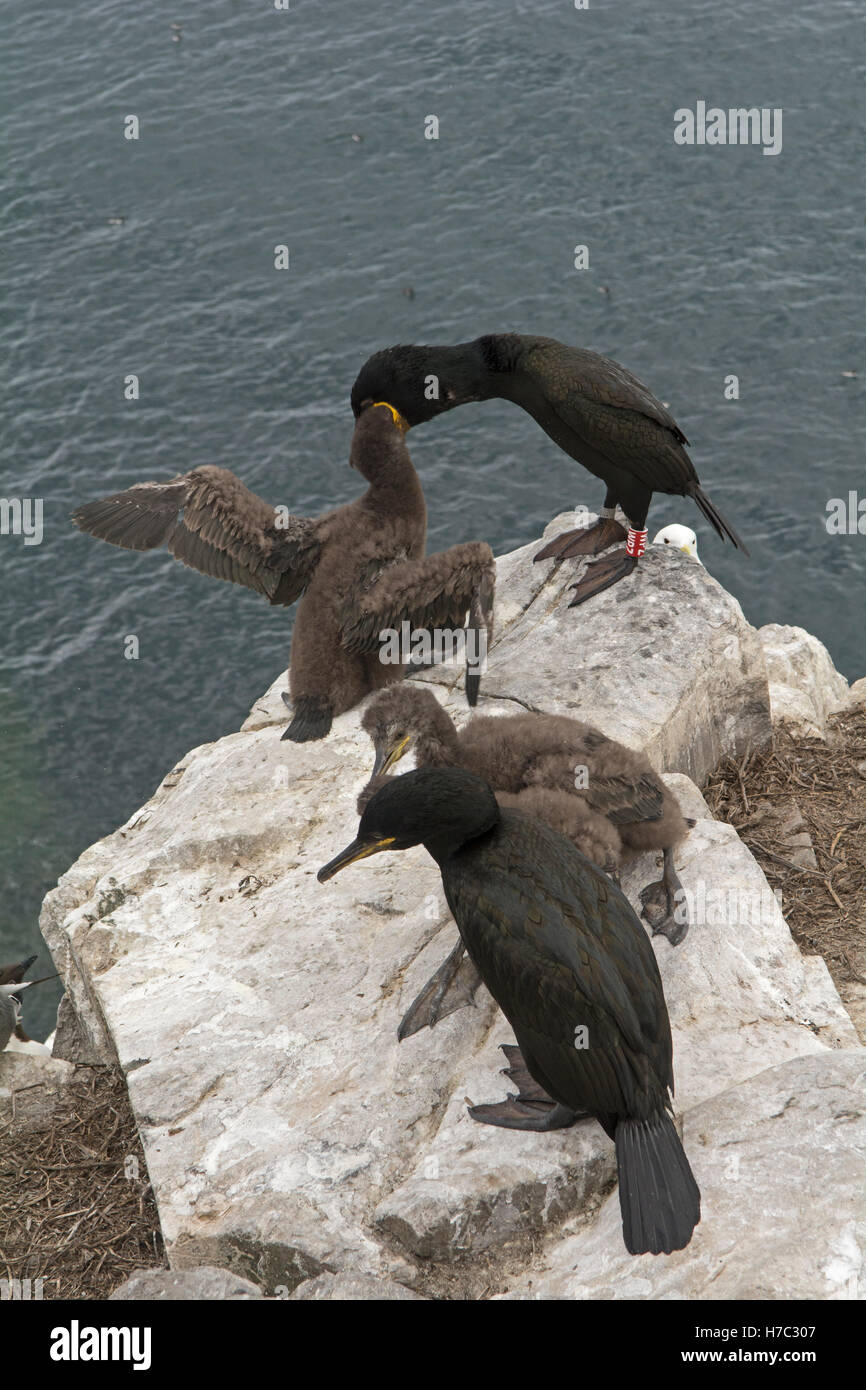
x=436, y=592
x=214, y=524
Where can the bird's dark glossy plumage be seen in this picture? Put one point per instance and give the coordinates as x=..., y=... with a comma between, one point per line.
x=356, y=570
x=591, y=406
x=562, y=952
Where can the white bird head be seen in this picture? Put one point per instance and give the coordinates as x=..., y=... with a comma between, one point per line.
x=679, y=536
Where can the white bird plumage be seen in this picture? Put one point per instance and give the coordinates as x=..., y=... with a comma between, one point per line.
x=680, y=536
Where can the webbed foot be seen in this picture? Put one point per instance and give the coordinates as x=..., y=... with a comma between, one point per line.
x=513, y=1113
x=601, y=575
x=450, y=988
x=531, y=1107
x=664, y=904
x=586, y=540
x=312, y=718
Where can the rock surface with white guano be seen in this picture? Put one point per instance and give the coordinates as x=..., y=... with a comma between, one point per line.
x=254, y=1011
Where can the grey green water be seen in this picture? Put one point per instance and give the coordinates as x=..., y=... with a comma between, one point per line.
x=555, y=130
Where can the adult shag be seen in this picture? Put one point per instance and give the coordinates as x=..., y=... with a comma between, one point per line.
x=455, y=982
x=566, y=959
x=592, y=407
x=356, y=570
x=603, y=797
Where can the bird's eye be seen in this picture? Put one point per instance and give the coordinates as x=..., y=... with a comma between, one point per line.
x=667, y=540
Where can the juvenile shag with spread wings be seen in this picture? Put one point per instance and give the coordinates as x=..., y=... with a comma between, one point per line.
x=590, y=405
x=357, y=570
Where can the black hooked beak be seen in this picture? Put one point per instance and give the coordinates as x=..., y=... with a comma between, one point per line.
x=358, y=849
x=389, y=755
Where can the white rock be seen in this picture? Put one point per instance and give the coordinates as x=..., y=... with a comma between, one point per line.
x=779, y=1161
x=805, y=687
x=170, y=1285
x=30, y=1075
x=346, y=1288
x=856, y=694
x=254, y=1011
x=30, y=1048
x=740, y=996
x=664, y=661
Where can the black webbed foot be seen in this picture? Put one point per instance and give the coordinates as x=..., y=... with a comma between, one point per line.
x=664, y=908
x=531, y=1108
x=601, y=575
x=518, y=1072
x=450, y=988
x=586, y=540
x=312, y=718
x=513, y=1113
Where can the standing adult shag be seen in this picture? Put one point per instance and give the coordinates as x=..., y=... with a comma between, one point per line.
x=563, y=954
x=592, y=407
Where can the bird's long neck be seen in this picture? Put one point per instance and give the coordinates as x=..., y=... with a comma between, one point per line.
x=438, y=744
x=395, y=488
x=444, y=377
x=445, y=846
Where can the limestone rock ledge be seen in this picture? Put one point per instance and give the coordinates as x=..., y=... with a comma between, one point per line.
x=805, y=687
x=288, y=1135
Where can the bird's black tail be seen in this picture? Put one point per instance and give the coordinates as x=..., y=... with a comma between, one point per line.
x=313, y=718
x=715, y=518
x=658, y=1196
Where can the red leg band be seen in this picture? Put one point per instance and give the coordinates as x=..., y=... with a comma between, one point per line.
x=636, y=543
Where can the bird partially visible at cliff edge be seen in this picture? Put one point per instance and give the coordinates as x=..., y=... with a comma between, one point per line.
x=357, y=570
x=563, y=954
x=13, y=974
x=12, y=986
x=679, y=538
x=589, y=405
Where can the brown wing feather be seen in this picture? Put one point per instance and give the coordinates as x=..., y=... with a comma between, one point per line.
x=213, y=523
x=433, y=592
x=623, y=800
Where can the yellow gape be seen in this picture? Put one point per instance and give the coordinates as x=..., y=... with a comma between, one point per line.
x=398, y=418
